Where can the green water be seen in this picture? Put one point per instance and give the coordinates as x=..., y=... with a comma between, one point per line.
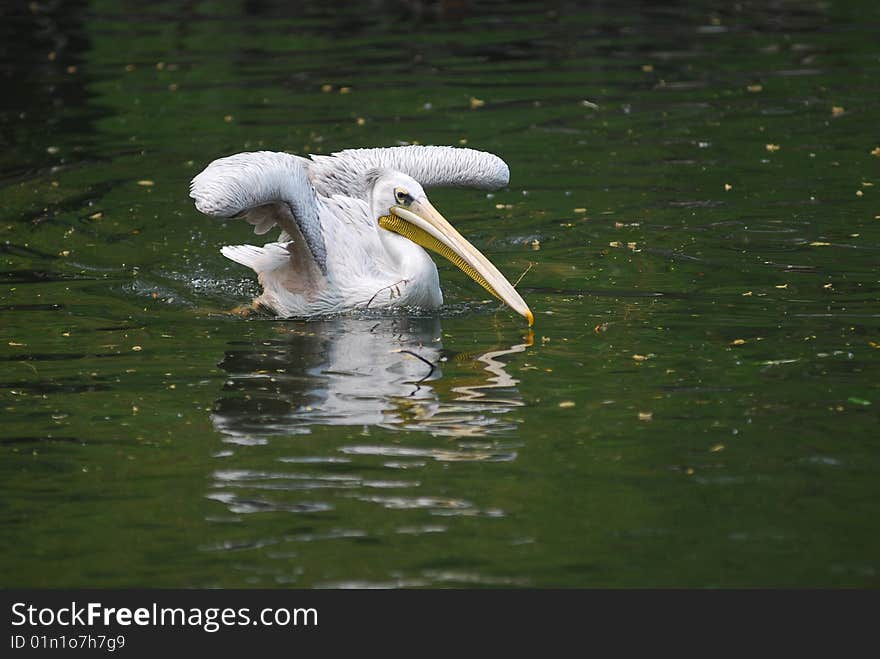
x=698, y=405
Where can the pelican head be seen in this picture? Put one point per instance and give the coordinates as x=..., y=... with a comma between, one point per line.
x=401, y=207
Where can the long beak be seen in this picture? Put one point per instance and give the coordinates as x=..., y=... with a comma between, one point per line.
x=425, y=226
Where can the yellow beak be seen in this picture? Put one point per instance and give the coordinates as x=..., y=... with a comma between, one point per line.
x=425, y=226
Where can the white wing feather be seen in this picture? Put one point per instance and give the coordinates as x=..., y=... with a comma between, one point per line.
x=346, y=172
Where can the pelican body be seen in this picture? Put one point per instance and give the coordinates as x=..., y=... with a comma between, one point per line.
x=354, y=225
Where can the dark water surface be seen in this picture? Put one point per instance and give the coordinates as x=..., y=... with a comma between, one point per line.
x=693, y=186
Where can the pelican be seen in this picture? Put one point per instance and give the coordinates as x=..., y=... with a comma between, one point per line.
x=353, y=225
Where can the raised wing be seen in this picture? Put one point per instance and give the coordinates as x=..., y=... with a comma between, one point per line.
x=345, y=172
x=266, y=188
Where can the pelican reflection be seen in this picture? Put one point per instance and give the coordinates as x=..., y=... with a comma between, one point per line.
x=385, y=372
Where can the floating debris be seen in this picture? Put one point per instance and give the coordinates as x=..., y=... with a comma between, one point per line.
x=738, y=342
x=567, y=403
x=646, y=416
x=476, y=103
x=772, y=147
x=147, y=183
x=728, y=187
x=754, y=89
x=837, y=110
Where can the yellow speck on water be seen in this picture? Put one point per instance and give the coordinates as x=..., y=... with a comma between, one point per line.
x=748, y=294
x=737, y=342
x=827, y=286
x=754, y=89
x=818, y=243
x=876, y=151
x=580, y=210
x=536, y=244
x=476, y=102
x=65, y=252
x=837, y=110
x=728, y=187
x=345, y=90
x=96, y=216
x=52, y=150
x=173, y=87
x=326, y=88
x=646, y=416
x=615, y=243
x=567, y=403
x=689, y=471
x=147, y=183
x=360, y=121
x=641, y=358
x=859, y=193
x=781, y=286
x=647, y=68
x=137, y=348
x=716, y=448
x=772, y=147
x=17, y=345
x=65, y=333
x=228, y=118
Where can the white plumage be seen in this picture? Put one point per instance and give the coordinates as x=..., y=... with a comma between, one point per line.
x=333, y=255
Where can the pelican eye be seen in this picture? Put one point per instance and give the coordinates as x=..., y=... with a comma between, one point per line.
x=402, y=197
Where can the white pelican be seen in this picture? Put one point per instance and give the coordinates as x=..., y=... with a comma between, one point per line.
x=353, y=225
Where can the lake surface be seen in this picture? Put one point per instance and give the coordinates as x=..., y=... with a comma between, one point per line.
x=693, y=207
